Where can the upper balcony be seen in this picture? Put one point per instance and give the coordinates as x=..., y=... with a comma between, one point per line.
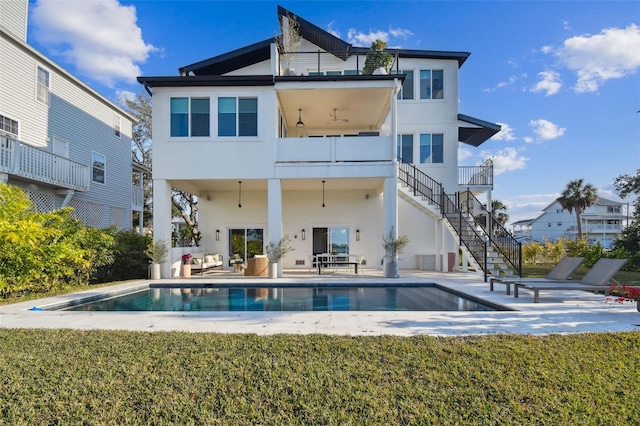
x=475, y=177
x=39, y=165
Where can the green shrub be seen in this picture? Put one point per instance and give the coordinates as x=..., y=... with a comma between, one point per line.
x=45, y=251
x=129, y=258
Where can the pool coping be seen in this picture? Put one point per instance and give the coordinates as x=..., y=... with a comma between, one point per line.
x=558, y=312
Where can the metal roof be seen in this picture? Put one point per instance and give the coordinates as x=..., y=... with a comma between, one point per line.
x=479, y=133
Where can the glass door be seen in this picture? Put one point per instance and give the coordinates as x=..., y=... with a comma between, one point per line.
x=245, y=243
x=332, y=240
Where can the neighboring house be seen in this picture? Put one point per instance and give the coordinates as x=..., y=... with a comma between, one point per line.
x=311, y=152
x=60, y=141
x=522, y=230
x=601, y=223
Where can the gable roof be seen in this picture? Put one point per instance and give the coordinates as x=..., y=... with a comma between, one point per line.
x=479, y=131
x=261, y=51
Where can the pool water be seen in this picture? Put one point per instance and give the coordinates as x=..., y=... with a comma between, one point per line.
x=430, y=297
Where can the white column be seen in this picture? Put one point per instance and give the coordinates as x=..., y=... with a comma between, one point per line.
x=391, y=207
x=274, y=214
x=162, y=219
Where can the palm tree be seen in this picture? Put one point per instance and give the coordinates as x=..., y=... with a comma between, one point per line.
x=499, y=210
x=578, y=196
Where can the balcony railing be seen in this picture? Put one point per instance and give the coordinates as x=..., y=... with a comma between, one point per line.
x=475, y=176
x=137, y=198
x=19, y=159
x=327, y=63
x=335, y=149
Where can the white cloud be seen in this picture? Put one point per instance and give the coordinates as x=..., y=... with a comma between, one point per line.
x=506, y=160
x=505, y=133
x=122, y=96
x=550, y=83
x=546, y=130
x=547, y=49
x=101, y=38
x=358, y=38
x=331, y=31
x=464, y=153
x=614, y=53
x=400, y=32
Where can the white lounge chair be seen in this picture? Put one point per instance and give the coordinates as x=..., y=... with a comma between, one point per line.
x=597, y=279
x=561, y=272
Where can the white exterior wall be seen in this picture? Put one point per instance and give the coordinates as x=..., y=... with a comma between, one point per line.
x=75, y=114
x=13, y=17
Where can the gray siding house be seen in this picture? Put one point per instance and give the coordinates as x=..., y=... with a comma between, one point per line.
x=61, y=141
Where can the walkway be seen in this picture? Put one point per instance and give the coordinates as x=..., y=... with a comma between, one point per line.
x=557, y=312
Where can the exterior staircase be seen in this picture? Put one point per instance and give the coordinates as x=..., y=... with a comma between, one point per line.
x=488, y=246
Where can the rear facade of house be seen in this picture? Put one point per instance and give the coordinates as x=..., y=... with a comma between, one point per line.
x=303, y=144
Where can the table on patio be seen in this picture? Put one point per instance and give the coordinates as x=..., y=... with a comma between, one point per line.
x=325, y=260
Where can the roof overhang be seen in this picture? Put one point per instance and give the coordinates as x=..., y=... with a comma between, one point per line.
x=474, y=131
x=206, y=80
x=230, y=61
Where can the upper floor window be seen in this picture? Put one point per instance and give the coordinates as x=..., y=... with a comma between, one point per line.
x=431, y=84
x=613, y=209
x=8, y=125
x=432, y=148
x=406, y=91
x=116, y=124
x=190, y=117
x=237, y=116
x=559, y=210
x=98, y=162
x=42, y=85
x=405, y=148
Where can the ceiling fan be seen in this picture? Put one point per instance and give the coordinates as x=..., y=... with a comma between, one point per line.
x=335, y=116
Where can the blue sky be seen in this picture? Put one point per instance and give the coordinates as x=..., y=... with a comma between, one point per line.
x=561, y=77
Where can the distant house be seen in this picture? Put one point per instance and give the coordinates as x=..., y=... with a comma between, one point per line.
x=60, y=141
x=305, y=144
x=601, y=223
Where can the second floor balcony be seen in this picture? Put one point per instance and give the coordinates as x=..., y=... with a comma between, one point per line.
x=38, y=165
x=333, y=149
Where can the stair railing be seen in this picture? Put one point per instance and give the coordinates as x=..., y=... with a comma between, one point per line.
x=500, y=238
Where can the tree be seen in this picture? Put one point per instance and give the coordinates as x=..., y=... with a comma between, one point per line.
x=630, y=238
x=499, y=210
x=578, y=196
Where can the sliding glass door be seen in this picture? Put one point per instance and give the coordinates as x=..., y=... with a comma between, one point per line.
x=245, y=243
x=333, y=240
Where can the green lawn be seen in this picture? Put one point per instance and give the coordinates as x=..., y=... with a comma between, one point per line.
x=117, y=377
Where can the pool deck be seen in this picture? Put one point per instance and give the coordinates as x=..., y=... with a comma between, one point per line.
x=559, y=312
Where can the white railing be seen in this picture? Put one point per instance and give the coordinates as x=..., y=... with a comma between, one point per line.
x=597, y=228
x=39, y=165
x=335, y=149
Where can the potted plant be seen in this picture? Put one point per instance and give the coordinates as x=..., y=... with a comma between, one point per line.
x=275, y=252
x=186, y=265
x=289, y=42
x=377, y=59
x=393, y=246
x=157, y=252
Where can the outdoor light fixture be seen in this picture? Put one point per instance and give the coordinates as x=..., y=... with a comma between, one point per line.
x=300, y=123
x=303, y=234
x=217, y=235
x=323, y=193
x=357, y=235
x=239, y=194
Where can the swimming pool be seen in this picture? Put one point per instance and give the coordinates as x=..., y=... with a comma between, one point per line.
x=331, y=297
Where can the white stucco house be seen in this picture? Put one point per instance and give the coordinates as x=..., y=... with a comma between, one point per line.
x=601, y=223
x=318, y=151
x=60, y=141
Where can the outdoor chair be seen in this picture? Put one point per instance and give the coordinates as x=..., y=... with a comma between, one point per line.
x=596, y=279
x=561, y=272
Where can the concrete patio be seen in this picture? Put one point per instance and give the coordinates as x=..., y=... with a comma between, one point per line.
x=558, y=312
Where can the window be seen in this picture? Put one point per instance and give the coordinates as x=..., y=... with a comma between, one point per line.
x=98, y=166
x=432, y=148
x=406, y=91
x=559, y=210
x=116, y=124
x=559, y=223
x=613, y=209
x=42, y=91
x=237, y=116
x=405, y=148
x=198, y=109
x=8, y=125
x=431, y=84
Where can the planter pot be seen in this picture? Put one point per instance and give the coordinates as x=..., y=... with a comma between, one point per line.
x=380, y=71
x=289, y=71
x=392, y=270
x=155, y=271
x=273, y=270
x=185, y=271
